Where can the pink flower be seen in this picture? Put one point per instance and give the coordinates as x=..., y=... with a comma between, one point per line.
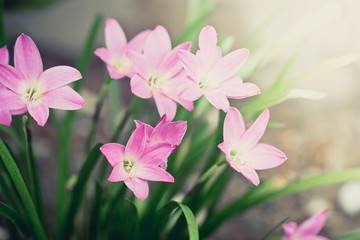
x=114, y=55
x=167, y=132
x=159, y=72
x=28, y=87
x=5, y=114
x=137, y=162
x=308, y=230
x=211, y=75
x=241, y=147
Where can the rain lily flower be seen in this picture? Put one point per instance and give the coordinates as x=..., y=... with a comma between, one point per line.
x=308, y=230
x=137, y=162
x=241, y=147
x=168, y=132
x=114, y=55
x=5, y=114
x=31, y=88
x=212, y=75
x=159, y=72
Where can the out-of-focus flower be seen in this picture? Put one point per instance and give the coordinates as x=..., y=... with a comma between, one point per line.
x=29, y=87
x=138, y=162
x=241, y=147
x=159, y=72
x=211, y=75
x=114, y=55
x=168, y=132
x=308, y=230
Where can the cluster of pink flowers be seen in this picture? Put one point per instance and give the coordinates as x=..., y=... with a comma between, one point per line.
x=175, y=75
x=26, y=87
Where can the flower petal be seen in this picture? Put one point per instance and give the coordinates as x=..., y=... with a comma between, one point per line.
x=227, y=66
x=136, y=144
x=11, y=100
x=289, y=228
x=191, y=64
x=113, y=152
x=115, y=38
x=118, y=174
x=139, y=187
x=235, y=88
x=11, y=77
x=64, y=98
x=234, y=126
x=247, y=171
x=225, y=148
x=153, y=173
x=313, y=225
x=5, y=117
x=27, y=58
x=4, y=55
x=266, y=156
x=140, y=87
x=39, y=111
x=104, y=54
x=157, y=45
x=156, y=153
x=207, y=38
x=171, y=63
x=255, y=131
x=138, y=42
x=114, y=74
x=139, y=63
x=165, y=105
x=58, y=76
x=209, y=52
x=218, y=99
x=176, y=132
x=189, y=91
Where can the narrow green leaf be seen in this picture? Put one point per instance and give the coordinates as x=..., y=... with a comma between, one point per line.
x=268, y=191
x=95, y=213
x=114, y=105
x=78, y=192
x=13, y=216
x=267, y=235
x=33, y=218
x=353, y=235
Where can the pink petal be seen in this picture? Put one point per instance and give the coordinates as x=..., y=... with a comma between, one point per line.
x=255, y=131
x=139, y=63
x=5, y=117
x=18, y=111
x=104, y=54
x=113, y=152
x=140, y=87
x=165, y=105
x=153, y=173
x=139, y=187
x=148, y=128
x=27, y=58
x=171, y=63
x=11, y=100
x=64, y=98
x=188, y=105
x=39, y=111
x=136, y=144
x=313, y=225
x=209, y=52
x=227, y=66
x=138, y=42
x=225, y=148
x=176, y=132
x=114, y=36
x=191, y=64
x=11, y=77
x=217, y=99
x=312, y=237
x=247, y=171
x=235, y=88
x=159, y=132
x=118, y=173
x=289, y=229
x=156, y=153
x=266, y=156
x=189, y=91
x=114, y=74
x=58, y=76
x=234, y=126
x=157, y=45
x=4, y=55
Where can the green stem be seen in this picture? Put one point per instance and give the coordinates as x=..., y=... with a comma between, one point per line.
x=211, y=170
x=96, y=114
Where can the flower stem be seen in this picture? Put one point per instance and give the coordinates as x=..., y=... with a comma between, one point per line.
x=96, y=114
x=211, y=170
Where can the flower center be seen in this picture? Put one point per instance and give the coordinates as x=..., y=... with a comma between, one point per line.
x=32, y=94
x=129, y=168
x=240, y=157
x=122, y=65
x=156, y=83
x=202, y=85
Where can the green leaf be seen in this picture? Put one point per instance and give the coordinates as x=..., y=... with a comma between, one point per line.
x=95, y=213
x=268, y=191
x=168, y=209
x=353, y=235
x=33, y=218
x=13, y=216
x=267, y=235
x=78, y=192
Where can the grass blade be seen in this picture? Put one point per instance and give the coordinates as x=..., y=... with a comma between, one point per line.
x=14, y=217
